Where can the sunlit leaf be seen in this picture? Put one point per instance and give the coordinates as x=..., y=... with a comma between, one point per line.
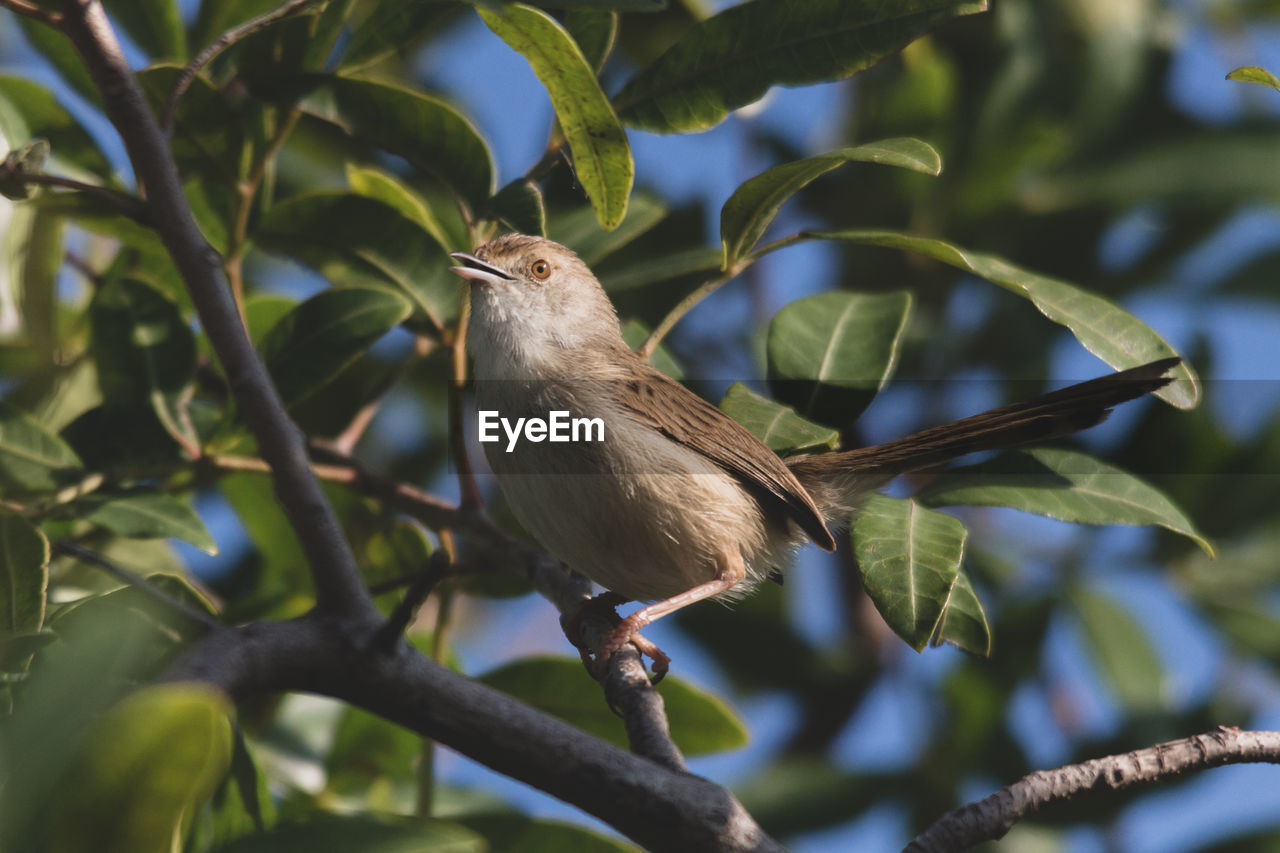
x=601, y=157
x=829, y=354
x=144, y=514
x=29, y=110
x=1104, y=328
x=594, y=30
x=150, y=763
x=775, y=424
x=581, y=231
x=751, y=208
x=1064, y=484
x=909, y=560
x=1254, y=74
x=394, y=26
x=24, y=575
x=701, y=723
x=964, y=623
x=393, y=192
x=731, y=59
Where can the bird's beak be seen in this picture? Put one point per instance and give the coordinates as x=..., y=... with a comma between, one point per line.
x=477, y=270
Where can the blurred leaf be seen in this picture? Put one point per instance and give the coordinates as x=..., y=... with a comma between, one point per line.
x=208, y=135
x=391, y=191
x=964, y=623
x=909, y=560
x=581, y=232
x=701, y=723
x=154, y=25
x=364, y=243
x=263, y=310
x=242, y=805
x=1064, y=484
x=635, y=333
x=146, y=515
x=775, y=424
x=1254, y=74
x=145, y=352
x=29, y=110
x=367, y=747
x=519, y=205
x=834, y=351
x=519, y=833
x=365, y=834
x=394, y=26
x=19, y=166
x=430, y=134
x=30, y=455
x=218, y=16
x=31, y=256
x=1122, y=651
x=1104, y=328
x=62, y=55
x=150, y=764
x=731, y=59
x=754, y=204
x=24, y=576
x=601, y=157
x=314, y=342
x=594, y=31
x=645, y=272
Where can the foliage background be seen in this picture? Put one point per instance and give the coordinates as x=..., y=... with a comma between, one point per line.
x=1096, y=142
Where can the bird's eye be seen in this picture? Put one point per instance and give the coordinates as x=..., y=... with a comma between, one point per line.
x=541, y=270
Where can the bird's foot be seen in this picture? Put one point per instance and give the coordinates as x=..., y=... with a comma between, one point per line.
x=625, y=630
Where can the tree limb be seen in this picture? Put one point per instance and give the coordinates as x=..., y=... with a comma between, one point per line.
x=990, y=818
x=338, y=586
x=659, y=808
x=44, y=16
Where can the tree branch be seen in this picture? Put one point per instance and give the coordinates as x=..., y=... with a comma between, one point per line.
x=123, y=203
x=684, y=306
x=338, y=586
x=657, y=807
x=990, y=818
x=44, y=16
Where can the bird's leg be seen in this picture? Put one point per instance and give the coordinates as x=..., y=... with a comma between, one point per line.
x=730, y=569
x=603, y=605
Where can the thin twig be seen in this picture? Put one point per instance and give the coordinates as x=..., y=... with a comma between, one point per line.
x=123, y=203
x=138, y=582
x=393, y=629
x=684, y=306
x=44, y=16
x=220, y=44
x=468, y=489
x=990, y=818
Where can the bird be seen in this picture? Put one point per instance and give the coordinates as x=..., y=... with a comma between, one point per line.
x=679, y=503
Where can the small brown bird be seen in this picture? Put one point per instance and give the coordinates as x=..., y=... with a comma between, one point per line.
x=679, y=502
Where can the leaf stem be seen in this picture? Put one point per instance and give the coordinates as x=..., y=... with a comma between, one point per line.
x=684, y=306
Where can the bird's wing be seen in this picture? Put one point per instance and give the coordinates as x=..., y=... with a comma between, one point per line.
x=684, y=417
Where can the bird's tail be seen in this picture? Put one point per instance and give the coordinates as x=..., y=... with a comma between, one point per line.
x=837, y=481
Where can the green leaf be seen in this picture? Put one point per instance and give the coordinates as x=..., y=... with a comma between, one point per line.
x=1104, y=328
x=700, y=722
x=215, y=18
x=62, y=55
x=363, y=242
x=662, y=268
x=964, y=622
x=909, y=561
x=24, y=575
x=519, y=204
x=581, y=231
x=145, y=353
x=145, y=515
x=1254, y=74
x=517, y=832
x=775, y=424
x=595, y=31
x=394, y=26
x=30, y=455
x=1064, y=484
x=154, y=25
x=149, y=765
x=31, y=257
x=208, y=136
x=1122, y=651
x=731, y=59
x=393, y=192
x=430, y=134
x=751, y=208
x=314, y=342
x=601, y=157
x=636, y=333
x=263, y=310
x=366, y=748
x=365, y=834
x=831, y=353
x=29, y=110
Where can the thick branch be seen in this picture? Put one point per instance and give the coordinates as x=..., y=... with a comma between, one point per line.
x=338, y=587
x=659, y=808
x=991, y=818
